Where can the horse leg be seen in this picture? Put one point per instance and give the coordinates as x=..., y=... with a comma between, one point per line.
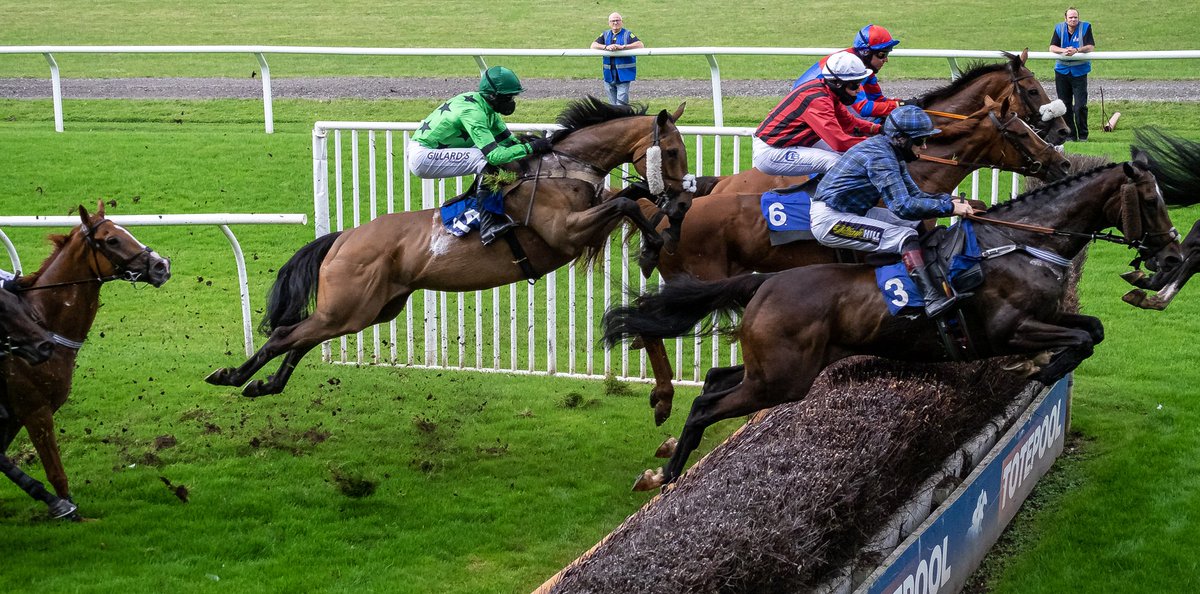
x=236, y=376
x=40, y=426
x=59, y=507
x=277, y=381
x=1076, y=343
x=663, y=392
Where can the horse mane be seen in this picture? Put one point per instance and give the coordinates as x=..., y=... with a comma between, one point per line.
x=1174, y=162
x=975, y=71
x=58, y=241
x=582, y=113
x=1055, y=186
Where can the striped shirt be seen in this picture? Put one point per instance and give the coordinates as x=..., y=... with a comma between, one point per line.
x=810, y=113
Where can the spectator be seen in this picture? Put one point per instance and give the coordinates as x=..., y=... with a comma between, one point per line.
x=810, y=128
x=872, y=45
x=619, y=71
x=1071, y=37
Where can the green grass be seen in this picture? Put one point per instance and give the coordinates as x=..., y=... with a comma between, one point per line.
x=484, y=483
x=520, y=24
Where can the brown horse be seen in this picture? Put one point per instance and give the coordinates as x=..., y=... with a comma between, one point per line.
x=20, y=333
x=66, y=293
x=799, y=321
x=364, y=276
x=963, y=95
x=725, y=235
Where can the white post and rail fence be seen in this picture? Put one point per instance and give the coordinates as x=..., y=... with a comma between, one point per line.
x=260, y=52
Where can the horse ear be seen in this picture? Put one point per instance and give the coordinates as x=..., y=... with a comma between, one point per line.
x=1140, y=157
x=664, y=118
x=678, y=112
x=1024, y=56
x=83, y=214
x=100, y=207
x=988, y=102
x=1006, y=105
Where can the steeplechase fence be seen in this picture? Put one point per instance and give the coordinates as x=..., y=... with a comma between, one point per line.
x=550, y=327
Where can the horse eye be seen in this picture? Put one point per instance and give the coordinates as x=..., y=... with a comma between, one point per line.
x=1034, y=92
x=672, y=153
x=113, y=241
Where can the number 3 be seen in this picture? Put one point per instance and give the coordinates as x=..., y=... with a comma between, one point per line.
x=896, y=288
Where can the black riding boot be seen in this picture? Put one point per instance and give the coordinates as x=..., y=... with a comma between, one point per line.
x=936, y=300
x=493, y=226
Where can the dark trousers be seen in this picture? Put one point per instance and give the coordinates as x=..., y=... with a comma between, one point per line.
x=1073, y=92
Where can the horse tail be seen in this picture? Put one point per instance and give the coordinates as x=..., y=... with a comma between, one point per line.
x=295, y=289
x=677, y=307
x=1174, y=162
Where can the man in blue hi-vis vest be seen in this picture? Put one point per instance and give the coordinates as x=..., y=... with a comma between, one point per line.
x=1071, y=37
x=619, y=71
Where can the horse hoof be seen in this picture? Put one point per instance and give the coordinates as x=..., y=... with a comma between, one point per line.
x=63, y=509
x=649, y=480
x=1133, y=276
x=219, y=377
x=648, y=262
x=636, y=344
x=667, y=448
x=255, y=389
x=662, y=412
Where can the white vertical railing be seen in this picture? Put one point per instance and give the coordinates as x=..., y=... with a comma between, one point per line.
x=529, y=333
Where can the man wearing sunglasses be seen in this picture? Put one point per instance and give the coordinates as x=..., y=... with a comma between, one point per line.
x=872, y=45
x=806, y=132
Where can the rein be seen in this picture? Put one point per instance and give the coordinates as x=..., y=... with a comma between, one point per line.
x=1032, y=164
x=123, y=273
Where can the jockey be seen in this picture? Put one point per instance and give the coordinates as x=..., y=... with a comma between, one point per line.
x=844, y=212
x=467, y=134
x=811, y=127
x=872, y=45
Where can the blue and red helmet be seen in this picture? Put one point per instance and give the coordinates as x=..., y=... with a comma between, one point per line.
x=874, y=38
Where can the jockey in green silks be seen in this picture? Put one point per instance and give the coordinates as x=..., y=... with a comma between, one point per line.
x=467, y=134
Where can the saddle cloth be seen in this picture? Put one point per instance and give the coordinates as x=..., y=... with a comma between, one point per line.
x=461, y=215
x=954, y=250
x=786, y=211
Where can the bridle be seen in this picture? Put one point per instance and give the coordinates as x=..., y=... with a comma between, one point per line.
x=121, y=266
x=1032, y=165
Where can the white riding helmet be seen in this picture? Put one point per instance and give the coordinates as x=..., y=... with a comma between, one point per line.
x=844, y=66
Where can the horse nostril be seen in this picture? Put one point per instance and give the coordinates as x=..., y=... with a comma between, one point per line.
x=45, y=348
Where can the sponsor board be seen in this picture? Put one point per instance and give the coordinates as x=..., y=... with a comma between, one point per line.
x=950, y=544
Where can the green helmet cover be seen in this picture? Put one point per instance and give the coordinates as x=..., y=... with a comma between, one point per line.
x=499, y=80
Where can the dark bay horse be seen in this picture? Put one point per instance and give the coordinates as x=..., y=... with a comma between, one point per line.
x=65, y=292
x=964, y=94
x=20, y=333
x=799, y=321
x=1173, y=161
x=725, y=235
x=364, y=276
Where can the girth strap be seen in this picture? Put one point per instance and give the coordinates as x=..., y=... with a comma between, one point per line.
x=520, y=258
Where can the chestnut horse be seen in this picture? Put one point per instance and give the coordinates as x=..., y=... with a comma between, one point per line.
x=963, y=95
x=66, y=294
x=791, y=329
x=725, y=235
x=364, y=275
x=20, y=333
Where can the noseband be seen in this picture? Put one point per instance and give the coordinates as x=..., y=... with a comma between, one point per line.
x=121, y=266
x=1032, y=165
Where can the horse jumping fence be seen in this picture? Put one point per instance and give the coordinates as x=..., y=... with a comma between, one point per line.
x=547, y=328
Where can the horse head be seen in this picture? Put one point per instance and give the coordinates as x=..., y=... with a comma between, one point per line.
x=20, y=333
x=118, y=254
x=661, y=158
x=1033, y=156
x=1044, y=115
x=1140, y=212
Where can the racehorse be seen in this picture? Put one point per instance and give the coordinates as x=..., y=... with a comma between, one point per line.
x=1173, y=161
x=799, y=321
x=66, y=293
x=20, y=333
x=364, y=276
x=962, y=95
x=725, y=235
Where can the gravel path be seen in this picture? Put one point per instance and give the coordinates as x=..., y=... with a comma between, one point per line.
x=438, y=88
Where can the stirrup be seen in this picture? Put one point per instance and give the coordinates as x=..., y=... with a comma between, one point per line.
x=936, y=308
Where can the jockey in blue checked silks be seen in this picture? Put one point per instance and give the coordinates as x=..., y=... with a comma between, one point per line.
x=845, y=212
